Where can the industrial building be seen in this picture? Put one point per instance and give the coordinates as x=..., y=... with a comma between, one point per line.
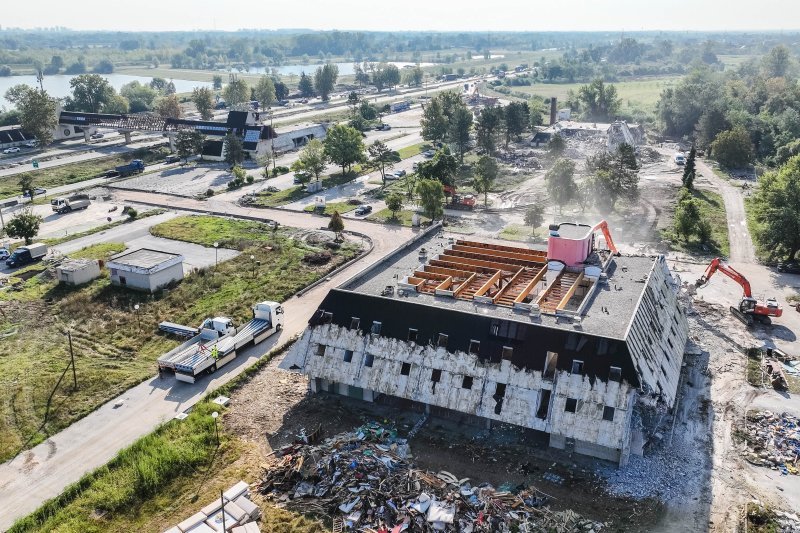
x=145, y=269
x=567, y=342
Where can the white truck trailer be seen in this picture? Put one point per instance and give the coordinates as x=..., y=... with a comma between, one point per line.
x=197, y=358
x=211, y=331
x=71, y=203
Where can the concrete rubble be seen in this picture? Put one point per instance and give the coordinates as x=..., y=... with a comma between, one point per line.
x=773, y=441
x=365, y=481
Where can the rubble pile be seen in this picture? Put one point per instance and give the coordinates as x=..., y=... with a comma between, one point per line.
x=365, y=481
x=773, y=441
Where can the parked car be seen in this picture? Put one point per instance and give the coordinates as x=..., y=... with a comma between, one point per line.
x=429, y=153
x=32, y=144
x=363, y=210
x=172, y=158
x=383, y=127
x=97, y=135
x=680, y=159
x=38, y=191
x=792, y=267
x=12, y=150
x=399, y=173
x=4, y=254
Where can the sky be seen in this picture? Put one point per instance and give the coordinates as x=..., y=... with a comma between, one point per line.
x=436, y=15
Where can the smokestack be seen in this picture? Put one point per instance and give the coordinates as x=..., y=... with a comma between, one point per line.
x=553, y=109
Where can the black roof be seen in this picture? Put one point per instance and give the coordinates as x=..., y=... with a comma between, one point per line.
x=530, y=341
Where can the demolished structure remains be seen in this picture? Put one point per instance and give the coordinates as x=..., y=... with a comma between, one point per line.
x=567, y=342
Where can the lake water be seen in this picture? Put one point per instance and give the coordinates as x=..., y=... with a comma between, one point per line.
x=58, y=86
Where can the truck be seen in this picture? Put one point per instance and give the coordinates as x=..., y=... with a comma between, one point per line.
x=134, y=167
x=27, y=254
x=219, y=341
x=71, y=203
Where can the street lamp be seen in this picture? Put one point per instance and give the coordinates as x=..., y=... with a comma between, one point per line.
x=253, y=262
x=214, y=415
x=138, y=320
x=216, y=255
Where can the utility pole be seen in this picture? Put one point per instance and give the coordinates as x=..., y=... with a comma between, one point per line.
x=222, y=499
x=72, y=358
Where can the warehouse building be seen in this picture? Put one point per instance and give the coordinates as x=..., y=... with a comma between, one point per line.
x=568, y=342
x=145, y=269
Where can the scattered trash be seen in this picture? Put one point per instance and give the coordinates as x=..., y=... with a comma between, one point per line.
x=773, y=441
x=365, y=478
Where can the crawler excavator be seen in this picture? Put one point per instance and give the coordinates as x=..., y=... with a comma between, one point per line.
x=749, y=309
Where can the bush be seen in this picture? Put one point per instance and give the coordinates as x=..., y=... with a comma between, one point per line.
x=210, y=193
x=132, y=213
x=250, y=179
x=279, y=170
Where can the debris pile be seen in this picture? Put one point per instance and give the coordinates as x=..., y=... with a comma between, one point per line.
x=773, y=441
x=365, y=479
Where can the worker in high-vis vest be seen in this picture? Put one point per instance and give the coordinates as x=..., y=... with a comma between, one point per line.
x=215, y=353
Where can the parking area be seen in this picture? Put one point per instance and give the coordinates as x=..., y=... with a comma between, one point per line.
x=186, y=180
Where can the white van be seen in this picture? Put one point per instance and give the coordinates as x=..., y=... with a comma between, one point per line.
x=680, y=159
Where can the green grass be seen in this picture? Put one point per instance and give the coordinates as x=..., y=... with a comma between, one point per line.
x=330, y=207
x=112, y=352
x=712, y=208
x=163, y=478
x=403, y=218
x=642, y=94
x=516, y=232
x=293, y=194
x=76, y=172
x=415, y=149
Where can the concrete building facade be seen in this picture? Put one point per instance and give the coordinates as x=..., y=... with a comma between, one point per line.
x=145, y=269
x=78, y=271
x=505, y=334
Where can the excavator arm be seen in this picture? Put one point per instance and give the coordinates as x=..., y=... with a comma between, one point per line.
x=603, y=226
x=718, y=265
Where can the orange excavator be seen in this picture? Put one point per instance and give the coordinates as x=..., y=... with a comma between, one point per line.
x=603, y=226
x=750, y=309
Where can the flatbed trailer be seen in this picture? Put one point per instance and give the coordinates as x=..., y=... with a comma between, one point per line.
x=212, y=330
x=208, y=357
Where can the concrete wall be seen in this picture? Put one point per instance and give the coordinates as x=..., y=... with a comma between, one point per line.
x=519, y=404
x=657, y=335
x=148, y=282
x=79, y=276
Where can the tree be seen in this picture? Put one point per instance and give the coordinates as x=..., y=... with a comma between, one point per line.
x=613, y=178
x=336, y=225
x=536, y=112
x=188, y=143
x=442, y=167
x=203, y=102
x=312, y=159
x=26, y=184
x=431, y=196
x=236, y=92
x=168, y=106
x=140, y=97
x=265, y=92
x=160, y=84
x=599, y=100
x=776, y=205
x=281, y=90
x=394, y=203
x=325, y=80
x=687, y=216
x=516, y=120
x=217, y=82
x=689, y=170
x=104, y=66
x=25, y=225
x=458, y=132
x=487, y=128
x=344, y=146
x=37, y=111
x=776, y=63
x=234, y=151
x=534, y=216
x=434, y=123
x=90, y=92
x=352, y=101
x=485, y=176
x=305, y=86
x=382, y=157
x=415, y=76
x=557, y=145
x=732, y=148
x=391, y=76
x=560, y=182
x=117, y=104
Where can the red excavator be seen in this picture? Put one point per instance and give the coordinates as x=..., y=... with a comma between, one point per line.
x=749, y=309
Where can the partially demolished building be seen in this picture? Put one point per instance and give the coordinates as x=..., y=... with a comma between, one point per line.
x=566, y=342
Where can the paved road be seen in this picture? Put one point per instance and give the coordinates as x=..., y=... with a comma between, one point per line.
x=43, y=472
x=122, y=233
x=742, y=250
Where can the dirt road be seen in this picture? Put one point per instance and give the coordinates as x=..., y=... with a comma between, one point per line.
x=43, y=472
